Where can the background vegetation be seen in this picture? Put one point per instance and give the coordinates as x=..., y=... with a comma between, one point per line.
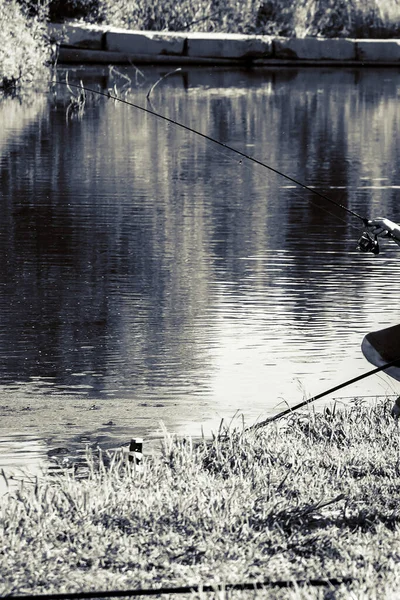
x=328, y=18
x=314, y=496
x=24, y=48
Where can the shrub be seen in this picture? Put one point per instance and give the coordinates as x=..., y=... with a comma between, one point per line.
x=24, y=49
x=354, y=18
x=74, y=9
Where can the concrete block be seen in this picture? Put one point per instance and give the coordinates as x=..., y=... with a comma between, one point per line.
x=144, y=42
x=384, y=51
x=314, y=49
x=228, y=45
x=80, y=36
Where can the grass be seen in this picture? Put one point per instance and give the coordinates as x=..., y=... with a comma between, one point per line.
x=298, y=18
x=316, y=495
x=24, y=49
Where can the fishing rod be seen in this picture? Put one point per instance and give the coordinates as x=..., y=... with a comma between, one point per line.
x=366, y=243
x=395, y=362
x=195, y=588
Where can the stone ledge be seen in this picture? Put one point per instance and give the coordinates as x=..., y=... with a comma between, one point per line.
x=378, y=51
x=228, y=45
x=80, y=42
x=79, y=36
x=315, y=49
x=144, y=42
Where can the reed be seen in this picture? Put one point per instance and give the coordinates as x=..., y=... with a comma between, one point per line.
x=315, y=495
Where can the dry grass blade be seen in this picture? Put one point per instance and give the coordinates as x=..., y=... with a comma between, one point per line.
x=77, y=100
x=160, y=80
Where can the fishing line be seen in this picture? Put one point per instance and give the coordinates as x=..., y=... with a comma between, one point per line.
x=215, y=141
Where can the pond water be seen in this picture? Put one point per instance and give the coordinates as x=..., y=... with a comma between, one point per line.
x=149, y=275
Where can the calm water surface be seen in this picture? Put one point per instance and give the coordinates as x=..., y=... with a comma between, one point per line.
x=148, y=275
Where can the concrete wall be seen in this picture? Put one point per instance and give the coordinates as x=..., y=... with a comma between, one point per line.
x=81, y=43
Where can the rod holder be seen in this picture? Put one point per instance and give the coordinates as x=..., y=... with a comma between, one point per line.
x=136, y=451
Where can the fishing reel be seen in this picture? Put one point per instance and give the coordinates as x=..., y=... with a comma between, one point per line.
x=368, y=243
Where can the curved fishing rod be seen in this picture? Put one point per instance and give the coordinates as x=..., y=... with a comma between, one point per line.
x=364, y=220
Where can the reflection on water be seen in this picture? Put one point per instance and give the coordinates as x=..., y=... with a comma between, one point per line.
x=155, y=276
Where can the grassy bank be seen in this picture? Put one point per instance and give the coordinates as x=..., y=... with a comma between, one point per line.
x=317, y=495
x=24, y=49
x=295, y=18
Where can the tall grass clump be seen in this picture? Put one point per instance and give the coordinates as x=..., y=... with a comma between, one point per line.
x=24, y=48
x=299, y=18
x=314, y=496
